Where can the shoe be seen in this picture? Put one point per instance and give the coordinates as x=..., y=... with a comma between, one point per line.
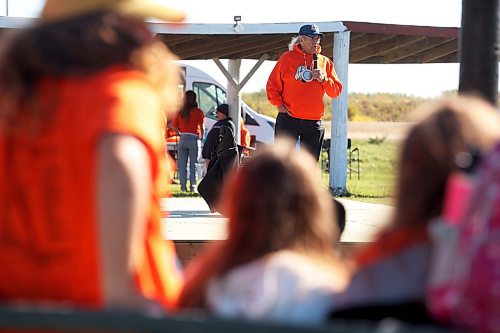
x=193, y=190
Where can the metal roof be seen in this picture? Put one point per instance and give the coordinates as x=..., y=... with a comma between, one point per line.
x=370, y=43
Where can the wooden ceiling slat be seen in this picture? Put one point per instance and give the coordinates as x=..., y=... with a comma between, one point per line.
x=439, y=51
x=256, y=49
x=202, y=47
x=414, y=47
x=366, y=40
x=397, y=29
x=453, y=57
x=380, y=48
x=356, y=35
x=278, y=50
x=177, y=39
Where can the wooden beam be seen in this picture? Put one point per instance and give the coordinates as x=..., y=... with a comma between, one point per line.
x=222, y=50
x=368, y=39
x=414, y=47
x=381, y=47
x=439, y=51
x=172, y=40
x=372, y=60
x=202, y=44
x=255, y=49
x=256, y=53
x=397, y=29
x=356, y=35
x=449, y=58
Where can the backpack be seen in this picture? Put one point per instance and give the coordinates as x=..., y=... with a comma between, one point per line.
x=464, y=284
x=223, y=161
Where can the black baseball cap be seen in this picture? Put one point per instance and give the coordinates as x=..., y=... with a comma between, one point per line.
x=310, y=30
x=224, y=109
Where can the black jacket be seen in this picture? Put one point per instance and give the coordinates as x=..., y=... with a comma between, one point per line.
x=213, y=137
x=224, y=160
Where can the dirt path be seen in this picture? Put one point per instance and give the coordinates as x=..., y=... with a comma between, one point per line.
x=366, y=130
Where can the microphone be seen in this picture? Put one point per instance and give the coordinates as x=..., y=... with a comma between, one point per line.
x=315, y=61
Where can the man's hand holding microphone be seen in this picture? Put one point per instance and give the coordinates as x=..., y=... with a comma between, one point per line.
x=317, y=74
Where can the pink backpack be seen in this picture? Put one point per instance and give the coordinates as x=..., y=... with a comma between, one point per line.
x=464, y=283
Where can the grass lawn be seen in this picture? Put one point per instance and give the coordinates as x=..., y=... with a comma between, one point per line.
x=378, y=162
x=378, y=165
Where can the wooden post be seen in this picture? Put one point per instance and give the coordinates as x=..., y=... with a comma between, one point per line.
x=338, y=148
x=479, y=48
x=233, y=95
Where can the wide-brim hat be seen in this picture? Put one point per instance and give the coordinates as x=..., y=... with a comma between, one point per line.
x=55, y=10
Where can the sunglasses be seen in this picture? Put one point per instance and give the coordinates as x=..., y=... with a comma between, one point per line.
x=317, y=37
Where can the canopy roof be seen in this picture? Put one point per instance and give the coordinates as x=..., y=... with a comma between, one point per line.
x=371, y=43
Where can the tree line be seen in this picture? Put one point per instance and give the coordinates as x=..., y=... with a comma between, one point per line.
x=362, y=107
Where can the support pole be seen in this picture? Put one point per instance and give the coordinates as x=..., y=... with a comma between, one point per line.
x=233, y=95
x=234, y=86
x=479, y=48
x=338, y=148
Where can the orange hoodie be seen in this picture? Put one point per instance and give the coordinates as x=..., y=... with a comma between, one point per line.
x=304, y=100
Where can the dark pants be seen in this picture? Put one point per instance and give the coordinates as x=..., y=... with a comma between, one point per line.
x=310, y=132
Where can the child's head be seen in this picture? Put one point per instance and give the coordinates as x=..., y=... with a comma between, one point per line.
x=277, y=201
x=446, y=128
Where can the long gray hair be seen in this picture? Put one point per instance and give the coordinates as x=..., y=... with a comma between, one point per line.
x=293, y=42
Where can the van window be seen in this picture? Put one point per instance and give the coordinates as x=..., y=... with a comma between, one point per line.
x=209, y=97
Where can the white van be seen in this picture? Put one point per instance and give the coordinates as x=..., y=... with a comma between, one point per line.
x=211, y=94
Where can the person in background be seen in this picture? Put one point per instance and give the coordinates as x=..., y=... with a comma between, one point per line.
x=223, y=119
x=340, y=215
x=392, y=272
x=277, y=263
x=296, y=86
x=189, y=123
x=244, y=134
x=82, y=158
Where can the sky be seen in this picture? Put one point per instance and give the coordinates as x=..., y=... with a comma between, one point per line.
x=425, y=80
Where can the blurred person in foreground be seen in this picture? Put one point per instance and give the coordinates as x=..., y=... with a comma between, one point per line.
x=278, y=263
x=82, y=155
x=296, y=86
x=392, y=272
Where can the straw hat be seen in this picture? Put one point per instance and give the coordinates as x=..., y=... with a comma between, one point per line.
x=55, y=10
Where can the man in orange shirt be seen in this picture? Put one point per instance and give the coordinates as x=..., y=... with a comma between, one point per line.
x=82, y=158
x=296, y=86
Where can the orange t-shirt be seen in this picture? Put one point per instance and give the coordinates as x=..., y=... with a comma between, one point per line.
x=48, y=234
x=192, y=125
